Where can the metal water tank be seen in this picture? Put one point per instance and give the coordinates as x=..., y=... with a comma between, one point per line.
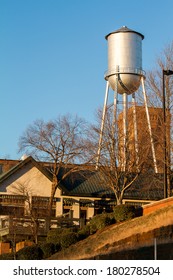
x=124, y=60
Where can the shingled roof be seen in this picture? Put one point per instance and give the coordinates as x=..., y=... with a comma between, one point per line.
x=146, y=186
x=95, y=186
x=91, y=183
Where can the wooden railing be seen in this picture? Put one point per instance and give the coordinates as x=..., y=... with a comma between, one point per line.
x=25, y=225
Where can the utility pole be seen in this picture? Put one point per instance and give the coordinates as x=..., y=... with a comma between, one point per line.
x=165, y=169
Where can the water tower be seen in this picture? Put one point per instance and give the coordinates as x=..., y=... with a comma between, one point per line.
x=124, y=76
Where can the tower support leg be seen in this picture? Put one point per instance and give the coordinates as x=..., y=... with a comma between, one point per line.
x=135, y=130
x=125, y=132
x=149, y=126
x=102, y=123
x=114, y=125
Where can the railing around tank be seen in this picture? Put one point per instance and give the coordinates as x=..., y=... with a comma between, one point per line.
x=124, y=70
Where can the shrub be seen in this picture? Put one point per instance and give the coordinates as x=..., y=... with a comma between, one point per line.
x=68, y=239
x=57, y=247
x=124, y=212
x=7, y=256
x=30, y=253
x=48, y=249
x=53, y=235
x=84, y=232
x=100, y=221
x=62, y=238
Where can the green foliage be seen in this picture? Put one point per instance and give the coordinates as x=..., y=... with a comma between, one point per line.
x=30, y=253
x=48, y=249
x=68, y=239
x=84, y=232
x=54, y=236
x=124, y=212
x=62, y=238
x=100, y=221
x=7, y=256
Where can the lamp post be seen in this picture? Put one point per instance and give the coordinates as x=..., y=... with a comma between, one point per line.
x=165, y=73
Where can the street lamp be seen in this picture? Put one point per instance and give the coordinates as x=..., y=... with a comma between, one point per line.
x=165, y=73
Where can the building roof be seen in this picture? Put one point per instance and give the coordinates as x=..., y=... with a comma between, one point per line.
x=146, y=186
x=21, y=164
x=72, y=181
x=94, y=186
x=91, y=183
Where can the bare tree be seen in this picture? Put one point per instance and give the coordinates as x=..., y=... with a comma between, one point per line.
x=154, y=79
x=26, y=191
x=60, y=142
x=154, y=83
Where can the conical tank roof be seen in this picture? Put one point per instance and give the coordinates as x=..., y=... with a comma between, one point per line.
x=124, y=29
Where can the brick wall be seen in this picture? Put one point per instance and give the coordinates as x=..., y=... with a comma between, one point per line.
x=7, y=164
x=157, y=205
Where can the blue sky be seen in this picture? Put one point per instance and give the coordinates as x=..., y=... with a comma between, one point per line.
x=53, y=55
